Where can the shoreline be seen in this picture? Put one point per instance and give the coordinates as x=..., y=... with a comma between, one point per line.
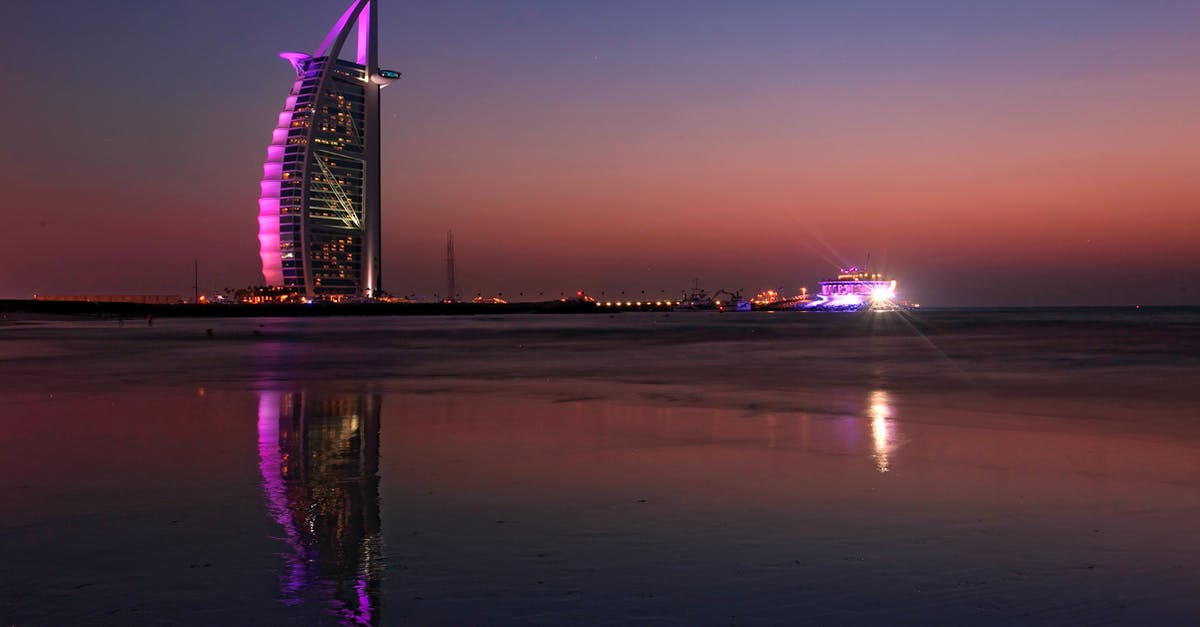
x=108, y=309
x=282, y=310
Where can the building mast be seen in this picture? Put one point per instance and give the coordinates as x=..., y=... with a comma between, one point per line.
x=368, y=57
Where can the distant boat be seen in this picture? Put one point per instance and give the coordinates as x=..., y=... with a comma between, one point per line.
x=855, y=289
x=732, y=301
x=696, y=300
x=700, y=300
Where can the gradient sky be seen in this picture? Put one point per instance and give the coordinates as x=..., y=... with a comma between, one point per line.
x=1024, y=153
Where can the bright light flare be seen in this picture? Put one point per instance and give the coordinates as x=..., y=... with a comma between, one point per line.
x=883, y=294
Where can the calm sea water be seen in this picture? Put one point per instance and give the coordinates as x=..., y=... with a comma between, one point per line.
x=984, y=467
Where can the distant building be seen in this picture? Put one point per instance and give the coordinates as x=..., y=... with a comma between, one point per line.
x=318, y=221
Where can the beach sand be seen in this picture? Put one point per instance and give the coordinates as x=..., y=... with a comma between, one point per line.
x=982, y=468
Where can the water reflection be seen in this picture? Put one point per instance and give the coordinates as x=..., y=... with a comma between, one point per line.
x=319, y=459
x=882, y=429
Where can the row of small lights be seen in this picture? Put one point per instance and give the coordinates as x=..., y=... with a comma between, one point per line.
x=657, y=303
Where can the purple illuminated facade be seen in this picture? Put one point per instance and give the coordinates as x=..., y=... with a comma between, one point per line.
x=319, y=212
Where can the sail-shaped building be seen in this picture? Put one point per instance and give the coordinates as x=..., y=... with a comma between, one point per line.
x=318, y=219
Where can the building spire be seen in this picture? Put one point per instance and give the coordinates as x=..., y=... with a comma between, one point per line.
x=368, y=38
x=331, y=46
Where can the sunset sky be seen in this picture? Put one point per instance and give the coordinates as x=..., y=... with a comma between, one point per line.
x=1002, y=153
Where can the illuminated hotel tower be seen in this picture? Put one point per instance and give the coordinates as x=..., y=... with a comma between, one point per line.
x=318, y=219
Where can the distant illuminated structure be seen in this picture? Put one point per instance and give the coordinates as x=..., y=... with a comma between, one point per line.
x=318, y=220
x=451, y=285
x=319, y=461
x=855, y=288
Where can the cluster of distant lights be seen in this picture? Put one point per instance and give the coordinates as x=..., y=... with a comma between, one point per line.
x=657, y=303
x=880, y=296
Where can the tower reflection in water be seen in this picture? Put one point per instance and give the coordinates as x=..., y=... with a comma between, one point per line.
x=319, y=459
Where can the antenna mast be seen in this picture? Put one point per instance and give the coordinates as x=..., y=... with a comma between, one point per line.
x=451, y=287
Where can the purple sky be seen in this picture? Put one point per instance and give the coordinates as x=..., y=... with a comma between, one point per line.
x=1024, y=153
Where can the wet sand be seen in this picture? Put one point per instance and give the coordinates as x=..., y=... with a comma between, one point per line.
x=640, y=470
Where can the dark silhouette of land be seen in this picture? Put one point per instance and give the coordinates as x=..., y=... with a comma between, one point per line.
x=191, y=310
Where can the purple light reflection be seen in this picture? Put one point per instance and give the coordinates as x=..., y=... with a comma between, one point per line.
x=318, y=457
x=271, y=465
